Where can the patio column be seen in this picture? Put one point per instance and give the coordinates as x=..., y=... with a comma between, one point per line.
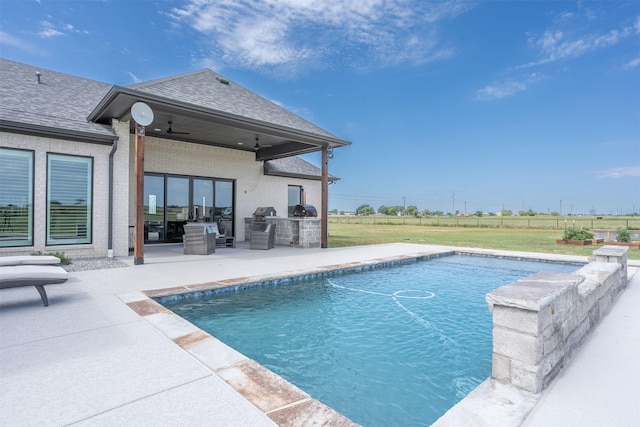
x=324, y=222
x=138, y=207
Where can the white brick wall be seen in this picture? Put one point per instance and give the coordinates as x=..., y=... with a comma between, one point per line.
x=121, y=191
x=41, y=146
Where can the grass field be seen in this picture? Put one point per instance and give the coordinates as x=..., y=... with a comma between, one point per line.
x=516, y=239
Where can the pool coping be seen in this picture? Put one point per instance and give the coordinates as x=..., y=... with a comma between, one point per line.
x=283, y=402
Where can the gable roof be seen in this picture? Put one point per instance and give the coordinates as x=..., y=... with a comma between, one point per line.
x=294, y=167
x=209, y=109
x=208, y=89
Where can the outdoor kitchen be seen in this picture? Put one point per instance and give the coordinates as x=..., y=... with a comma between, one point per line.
x=300, y=231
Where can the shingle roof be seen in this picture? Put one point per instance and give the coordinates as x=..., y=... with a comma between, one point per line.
x=294, y=167
x=204, y=88
x=60, y=103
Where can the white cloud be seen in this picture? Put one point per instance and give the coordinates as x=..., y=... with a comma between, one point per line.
x=50, y=32
x=15, y=42
x=556, y=44
x=510, y=87
x=133, y=77
x=632, y=64
x=621, y=172
x=305, y=34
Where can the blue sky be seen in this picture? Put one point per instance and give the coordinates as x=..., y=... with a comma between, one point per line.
x=488, y=104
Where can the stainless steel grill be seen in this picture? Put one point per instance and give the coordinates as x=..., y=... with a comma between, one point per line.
x=262, y=212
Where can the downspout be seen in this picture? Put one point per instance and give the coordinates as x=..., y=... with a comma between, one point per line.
x=114, y=147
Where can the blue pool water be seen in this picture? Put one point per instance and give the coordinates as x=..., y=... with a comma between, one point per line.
x=390, y=346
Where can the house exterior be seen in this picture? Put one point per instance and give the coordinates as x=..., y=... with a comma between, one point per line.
x=214, y=152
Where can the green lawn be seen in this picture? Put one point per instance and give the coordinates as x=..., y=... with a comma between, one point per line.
x=516, y=239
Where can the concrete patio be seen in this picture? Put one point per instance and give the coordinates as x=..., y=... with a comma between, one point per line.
x=88, y=359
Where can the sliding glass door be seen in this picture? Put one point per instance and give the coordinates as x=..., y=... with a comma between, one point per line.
x=154, y=227
x=202, y=200
x=188, y=199
x=224, y=206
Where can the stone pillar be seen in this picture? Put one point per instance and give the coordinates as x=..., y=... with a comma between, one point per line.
x=528, y=318
x=613, y=254
x=539, y=322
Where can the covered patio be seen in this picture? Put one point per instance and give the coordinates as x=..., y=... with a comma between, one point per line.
x=204, y=108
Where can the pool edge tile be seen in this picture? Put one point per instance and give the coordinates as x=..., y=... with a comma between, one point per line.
x=309, y=412
x=215, y=354
x=262, y=387
x=147, y=307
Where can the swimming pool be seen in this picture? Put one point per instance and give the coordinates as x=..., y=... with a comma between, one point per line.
x=390, y=346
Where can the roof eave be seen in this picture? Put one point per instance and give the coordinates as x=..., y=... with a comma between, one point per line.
x=298, y=175
x=55, y=132
x=100, y=115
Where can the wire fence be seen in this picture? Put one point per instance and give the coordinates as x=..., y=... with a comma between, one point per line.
x=559, y=223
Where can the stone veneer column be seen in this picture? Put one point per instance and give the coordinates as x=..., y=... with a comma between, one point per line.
x=539, y=322
x=528, y=316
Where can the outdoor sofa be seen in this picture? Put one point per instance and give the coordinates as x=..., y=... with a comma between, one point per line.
x=38, y=271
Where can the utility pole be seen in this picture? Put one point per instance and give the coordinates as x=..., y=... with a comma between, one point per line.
x=453, y=203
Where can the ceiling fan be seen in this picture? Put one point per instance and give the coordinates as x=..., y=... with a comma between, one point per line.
x=173, y=132
x=258, y=146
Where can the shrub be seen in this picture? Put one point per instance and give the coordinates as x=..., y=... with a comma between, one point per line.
x=63, y=258
x=573, y=233
x=623, y=234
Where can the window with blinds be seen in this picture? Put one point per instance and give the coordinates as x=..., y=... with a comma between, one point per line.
x=69, y=199
x=16, y=197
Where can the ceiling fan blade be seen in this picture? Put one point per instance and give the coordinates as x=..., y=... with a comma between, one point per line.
x=170, y=131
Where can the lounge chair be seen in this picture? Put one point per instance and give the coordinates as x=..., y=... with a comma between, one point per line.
x=38, y=271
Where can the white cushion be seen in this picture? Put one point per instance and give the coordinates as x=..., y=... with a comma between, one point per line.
x=29, y=260
x=28, y=275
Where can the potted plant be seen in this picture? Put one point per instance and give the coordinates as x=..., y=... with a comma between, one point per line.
x=575, y=236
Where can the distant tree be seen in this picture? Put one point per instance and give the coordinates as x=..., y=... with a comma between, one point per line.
x=506, y=212
x=341, y=212
x=426, y=212
x=479, y=213
x=383, y=210
x=554, y=213
x=365, y=210
x=333, y=211
x=411, y=210
x=437, y=213
x=527, y=213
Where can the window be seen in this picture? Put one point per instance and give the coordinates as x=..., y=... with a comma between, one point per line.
x=16, y=197
x=295, y=198
x=69, y=199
